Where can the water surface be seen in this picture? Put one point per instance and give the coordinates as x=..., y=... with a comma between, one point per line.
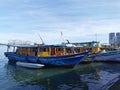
x=94, y=76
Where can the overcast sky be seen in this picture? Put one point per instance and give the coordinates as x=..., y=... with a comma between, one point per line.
x=78, y=20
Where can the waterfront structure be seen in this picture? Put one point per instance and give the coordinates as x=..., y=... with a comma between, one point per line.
x=106, y=46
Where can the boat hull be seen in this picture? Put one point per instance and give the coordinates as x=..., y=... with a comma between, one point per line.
x=66, y=60
x=113, y=56
x=62, y=61
x=15, y=57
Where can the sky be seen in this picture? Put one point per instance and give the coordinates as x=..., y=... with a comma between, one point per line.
x=78, y=20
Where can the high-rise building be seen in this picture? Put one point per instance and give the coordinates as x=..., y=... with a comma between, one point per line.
x=112, y=38
x=118, y=37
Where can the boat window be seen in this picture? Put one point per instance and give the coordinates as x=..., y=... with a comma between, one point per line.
x=34, y=49
x=59, y=49
x=40, y=49
x=44, y=49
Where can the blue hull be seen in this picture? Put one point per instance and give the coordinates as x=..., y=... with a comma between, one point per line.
x=15, y=57
x=61, y=61
x=65, y=60
x=109, y=56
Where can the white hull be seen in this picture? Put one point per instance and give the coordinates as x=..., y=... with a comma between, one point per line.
x=29, y=65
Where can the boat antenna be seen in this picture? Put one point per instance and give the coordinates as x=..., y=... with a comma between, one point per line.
x=96, y=37
x=62, y=38
x=41, y=39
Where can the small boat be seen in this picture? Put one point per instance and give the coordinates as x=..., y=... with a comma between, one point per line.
x=49, y=55
x=113, y=56
x=30, y=65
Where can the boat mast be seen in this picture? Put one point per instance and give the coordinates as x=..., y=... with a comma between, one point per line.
x=62, y=39
x=96, y=37
x=41, y=39
x=8, y=47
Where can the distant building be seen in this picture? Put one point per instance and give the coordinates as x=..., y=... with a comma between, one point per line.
x=118, y=37
x=112, y=38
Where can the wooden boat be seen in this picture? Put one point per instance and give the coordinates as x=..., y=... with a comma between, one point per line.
x=49, y=55
x=30, y=65
x=108, y=56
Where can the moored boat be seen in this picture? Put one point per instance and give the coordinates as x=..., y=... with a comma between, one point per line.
x=113, y=56
x=49, y=55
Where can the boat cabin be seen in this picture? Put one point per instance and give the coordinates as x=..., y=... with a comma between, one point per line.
x=93, y=47
x=46, y=50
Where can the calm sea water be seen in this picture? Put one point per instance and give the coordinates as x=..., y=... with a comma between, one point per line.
x=94, y=76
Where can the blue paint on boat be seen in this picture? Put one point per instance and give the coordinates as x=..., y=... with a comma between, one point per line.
x=113, y=56
x=16, y=57
x=59, y=61
x=63, y=60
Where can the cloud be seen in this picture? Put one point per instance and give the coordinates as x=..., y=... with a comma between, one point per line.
x=79, y=20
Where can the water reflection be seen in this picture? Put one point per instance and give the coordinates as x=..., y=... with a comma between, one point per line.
x=82, y=77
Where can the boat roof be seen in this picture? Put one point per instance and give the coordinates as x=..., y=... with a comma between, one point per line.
x=35, y=46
